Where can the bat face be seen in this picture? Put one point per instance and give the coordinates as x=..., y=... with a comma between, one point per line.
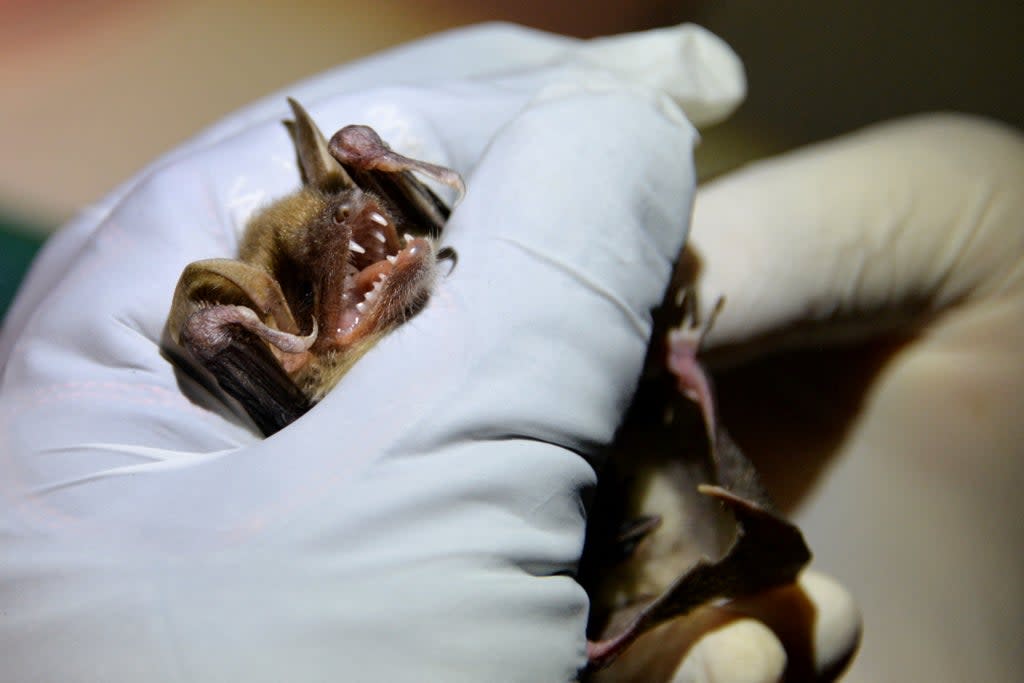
x=346, y=274
x=322, y=274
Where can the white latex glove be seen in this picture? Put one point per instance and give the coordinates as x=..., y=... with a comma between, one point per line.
x=905, y=242
x=423, y=521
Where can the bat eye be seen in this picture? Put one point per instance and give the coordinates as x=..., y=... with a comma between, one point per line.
x=341, y=214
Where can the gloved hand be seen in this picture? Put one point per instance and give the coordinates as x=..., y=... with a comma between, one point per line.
x=422, y=522
x=899, y=248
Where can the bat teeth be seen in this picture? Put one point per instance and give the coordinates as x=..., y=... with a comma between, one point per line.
x=392, y=259
x=379, y=235
x=379, y=220
x=372, y=293
x=407, y=237
x=356, y=247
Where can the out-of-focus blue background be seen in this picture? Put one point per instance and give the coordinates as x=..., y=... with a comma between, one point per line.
x=19, y=242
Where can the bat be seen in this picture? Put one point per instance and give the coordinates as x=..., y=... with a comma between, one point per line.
x=674, y=465
x=322, y=274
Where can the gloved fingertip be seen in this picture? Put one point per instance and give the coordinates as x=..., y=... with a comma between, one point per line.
x=816, y=620
x=742, y=651
x=696, y=68
x=837, y=629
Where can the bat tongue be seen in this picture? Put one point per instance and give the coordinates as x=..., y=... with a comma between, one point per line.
x=367, y=276
x=416, y=248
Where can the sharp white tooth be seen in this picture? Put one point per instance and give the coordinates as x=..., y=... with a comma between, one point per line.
x=370, y=296
x=407, y=237
x=379, y=235
x=361, y=307
x=378, y=219
x=356, y=247
x=392, y=259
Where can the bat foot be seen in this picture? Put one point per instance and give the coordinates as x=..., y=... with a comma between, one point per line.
x=212, y=328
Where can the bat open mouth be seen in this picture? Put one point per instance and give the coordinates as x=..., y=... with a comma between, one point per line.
x=387, y=277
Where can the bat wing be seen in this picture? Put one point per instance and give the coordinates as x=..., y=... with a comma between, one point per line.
x=248, y=371
x=229, y=339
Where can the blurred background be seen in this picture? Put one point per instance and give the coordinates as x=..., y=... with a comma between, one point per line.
x=92, y=90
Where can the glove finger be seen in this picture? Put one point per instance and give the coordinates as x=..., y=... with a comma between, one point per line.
x=744, y=651
x=817, y=622
x=864, y=234
x=807, y=632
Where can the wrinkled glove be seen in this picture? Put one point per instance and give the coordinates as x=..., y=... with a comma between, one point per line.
x=423, y=521
x=885, y=268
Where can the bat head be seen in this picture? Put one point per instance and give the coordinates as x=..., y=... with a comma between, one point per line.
x=321, y=274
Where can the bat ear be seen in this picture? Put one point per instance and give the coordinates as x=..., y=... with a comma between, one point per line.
x=319, y=168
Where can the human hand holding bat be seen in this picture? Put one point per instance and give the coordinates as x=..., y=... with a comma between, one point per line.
x=868, y=360
x=421, y=524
